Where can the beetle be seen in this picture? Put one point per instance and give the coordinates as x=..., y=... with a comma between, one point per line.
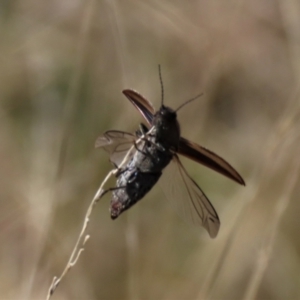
x=159, y=147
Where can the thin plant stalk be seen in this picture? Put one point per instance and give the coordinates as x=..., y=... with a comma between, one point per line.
x=83, y=238
x=266, y=251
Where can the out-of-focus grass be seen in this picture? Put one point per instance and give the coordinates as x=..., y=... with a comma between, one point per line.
x=62, y=68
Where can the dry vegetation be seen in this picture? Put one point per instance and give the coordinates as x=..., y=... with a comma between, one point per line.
x=63, y=65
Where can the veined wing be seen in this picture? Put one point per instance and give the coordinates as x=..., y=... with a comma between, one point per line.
x=141, y=104
x=116, y=143
x=188, y=199
x=209, y=159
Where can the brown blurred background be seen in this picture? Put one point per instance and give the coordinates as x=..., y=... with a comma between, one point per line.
x=63, y=65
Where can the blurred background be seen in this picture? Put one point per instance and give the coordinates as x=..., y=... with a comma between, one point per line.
x=63, y=65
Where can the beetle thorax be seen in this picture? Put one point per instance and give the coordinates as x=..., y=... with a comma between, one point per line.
x=167, y=127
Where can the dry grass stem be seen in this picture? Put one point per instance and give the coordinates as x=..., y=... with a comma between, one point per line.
x=265, y=253
x=82, y=238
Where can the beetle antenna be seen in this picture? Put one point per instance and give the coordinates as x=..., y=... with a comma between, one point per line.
x=161, y=85
x=185, y=103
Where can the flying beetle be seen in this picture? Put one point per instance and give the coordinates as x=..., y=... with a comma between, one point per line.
x=161, y=143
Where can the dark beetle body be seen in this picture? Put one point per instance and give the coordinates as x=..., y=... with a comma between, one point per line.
x=156, y=149
x=145, y=167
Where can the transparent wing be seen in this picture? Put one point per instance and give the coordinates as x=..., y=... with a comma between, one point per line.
x=188, y=199
x=209, y=159
x=116, y=143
